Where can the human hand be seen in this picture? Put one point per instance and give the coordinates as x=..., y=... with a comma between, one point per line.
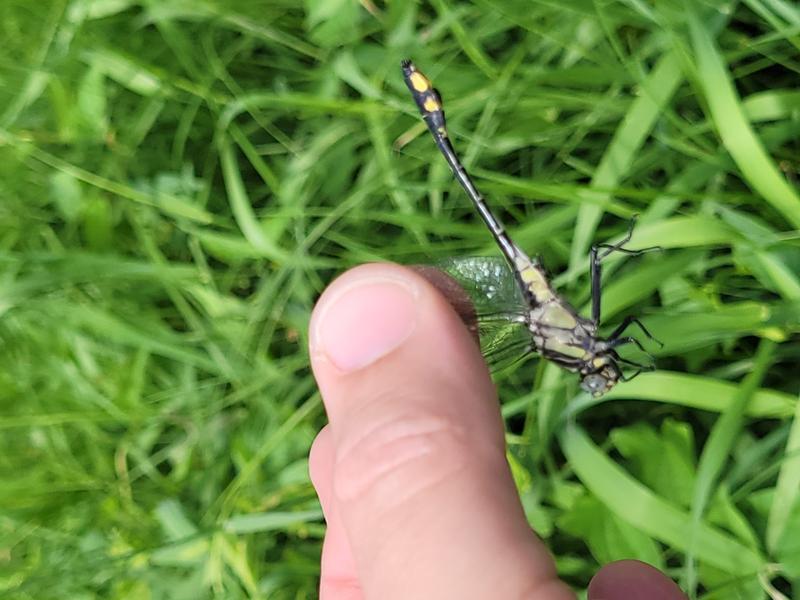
x=411, y=471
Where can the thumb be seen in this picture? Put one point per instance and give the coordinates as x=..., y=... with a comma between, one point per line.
x=420, y=485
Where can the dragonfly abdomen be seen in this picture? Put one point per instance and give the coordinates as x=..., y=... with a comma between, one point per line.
x=532, y=279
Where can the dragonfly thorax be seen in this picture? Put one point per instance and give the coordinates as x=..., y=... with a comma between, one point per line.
x=562, y=336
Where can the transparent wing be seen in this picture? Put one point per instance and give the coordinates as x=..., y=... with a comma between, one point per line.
x=489, y=283
x=504, y=343
x=499, y=307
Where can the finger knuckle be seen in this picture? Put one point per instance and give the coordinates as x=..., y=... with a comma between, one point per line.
x=399, y=456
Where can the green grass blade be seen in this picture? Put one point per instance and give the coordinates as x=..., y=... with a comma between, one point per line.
x=717, y=452
x=269, y=521
x=241, y=207
x=657, y=89
x=736, y=133
x=693, y=391
x=635, y=504
x=471, y=49
x=787, y=489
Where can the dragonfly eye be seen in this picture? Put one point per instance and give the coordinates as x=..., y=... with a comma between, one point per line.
x=594, y=383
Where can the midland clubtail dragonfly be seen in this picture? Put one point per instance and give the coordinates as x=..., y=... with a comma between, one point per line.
x=532, y=317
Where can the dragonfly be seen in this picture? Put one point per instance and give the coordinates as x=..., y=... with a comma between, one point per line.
x=550, y=325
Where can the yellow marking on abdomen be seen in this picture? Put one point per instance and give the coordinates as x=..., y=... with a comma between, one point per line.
x=536, y=283
x=431, y=105
x=419, y=82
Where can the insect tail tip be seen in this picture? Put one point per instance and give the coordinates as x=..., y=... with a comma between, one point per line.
x=407, y=65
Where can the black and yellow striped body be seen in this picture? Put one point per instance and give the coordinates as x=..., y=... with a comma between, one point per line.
x=557, y=332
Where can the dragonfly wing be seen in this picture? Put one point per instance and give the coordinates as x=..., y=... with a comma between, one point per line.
x=490, y=285
x=499, y=307
x=504, y=343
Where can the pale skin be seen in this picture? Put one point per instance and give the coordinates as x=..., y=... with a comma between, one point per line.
x=411, y=471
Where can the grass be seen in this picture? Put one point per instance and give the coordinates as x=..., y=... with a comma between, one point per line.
x=180, y=180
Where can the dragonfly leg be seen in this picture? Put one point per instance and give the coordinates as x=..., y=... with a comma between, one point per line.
x=640, y=368
x=595, y=263
x=627, y=322
x=621, y=341
x=598, y=253
x=631, y=363
x=635, y=374
x=619, y=246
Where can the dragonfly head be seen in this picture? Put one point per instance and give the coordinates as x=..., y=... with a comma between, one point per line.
x=600, y=376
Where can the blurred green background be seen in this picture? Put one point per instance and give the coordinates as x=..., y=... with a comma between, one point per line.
x=180, y=179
